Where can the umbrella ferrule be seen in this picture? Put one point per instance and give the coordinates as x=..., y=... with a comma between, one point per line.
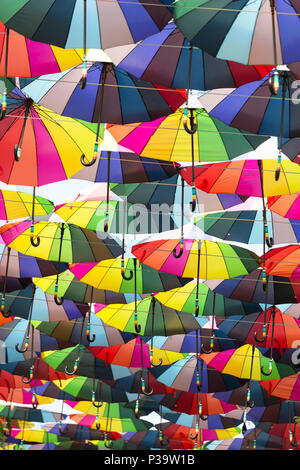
x=2, y=304
x=32, y=228
x=264, y=277
x=248, y=395
x=254, y=444
x=270, y=365
x=137, y=406
x=4, y=101
x=212, y=342
x=33, y=397
x=274, y=83
x=264, y=331
x=31, y=373
x=84, y=68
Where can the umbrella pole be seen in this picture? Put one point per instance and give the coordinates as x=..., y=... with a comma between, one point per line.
x=20, y=350
x=292, y=440
x=248, y=396
x=152, y=334
x=143, y=388
x=274, y=79
x=6, y=315
x=27, y=381
x=4, y=97
x=84, y=63
x=100, y=403
x=76, y=363
x=175, y=254
x=88, y=315
x=56, y=299
x=82, y=159
x=137, y=327
x=18, y=147
x=272, y=341
x=205, y=351
x=284, y=88
x=61, y=417
x=107, y=445
x=34, y=401
x=198, y=276
x=38, y=241
x=126, y=278
x=107, y=193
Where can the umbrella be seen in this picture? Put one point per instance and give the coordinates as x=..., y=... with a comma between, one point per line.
x=286, y=431
x=249, y=288
x=61, y=242
x=215, y=141
x=247, y=362
x=80, y=433
x=153, y=317
x=37, y=146
x=267, y=36
x=246, y=227
x=175, y=431
x=286, y=205
x=244, y=328
x=254, y=440
x=129, y=354
x=287, y=388
x=151, y=439
x=39, y=416
x=280, y=413
x=17, y=205
x=243, y=177
x=70, y=288
x=184, y=298
x=283, y=261
x=183, y=257
x=107, y=275
x=182, y=375
x=163, y=58
x=215, y=421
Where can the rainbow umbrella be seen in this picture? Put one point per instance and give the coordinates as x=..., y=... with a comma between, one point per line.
x=186, y=374
x=175, y=431
x=17, y=205
x=57, y=241
x=70, y=288
x=245, y=328
x=153, y=318
x=107, y=274
x=280, y=413
x=290, y=431
x=80, y=433
x=259, y=35
x=164, y=58
x=249, y=288
x=283, y=261
x=152, y=439
x=184, y=300
x=246, y=227
x=187, y=257
x=215, y=141
x=254, y=440
x=287, y=388
x=214, y=421
x=247, y=362
x=37, y=146
x=286, y=205
x=38, y=416
x=243, y=177
x=35, y=435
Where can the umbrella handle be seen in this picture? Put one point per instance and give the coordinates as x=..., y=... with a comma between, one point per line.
x=90, y=340
x=127, y=278
x=250, y=404
x=259, y=340
x=61, y=431
x=3, y=106
x=74, y=368
x=192, y=129
x=20, y=350
x=17, y=152
x=137, y=327
x=244, y=428
x=84, y=163
x=270, y=368
x=34, y=405
x=156, y=365
x=58, y=301
x=175, y=254
x=25, y=381
x=144, y=388
x=193, y=201
x=94, y=401
x=194, y=437
x=35, y=243
x=107, y=445
x=294, y=443
x=206, y=351
x=82, y=81
x=270, y=242
x=6, y=315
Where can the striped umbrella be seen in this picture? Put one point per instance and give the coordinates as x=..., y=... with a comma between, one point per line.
x=18, y=205
x=287, y=388
x=80, y=433
x=286, y=205
x=283, y=262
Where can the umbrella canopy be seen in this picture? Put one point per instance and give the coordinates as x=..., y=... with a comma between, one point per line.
x=44, y=308
x=147, y=440
x=226, y=34
x=17, y=205
x=244, y=328
x=124, y=98
x=214, y=421
x=80, y=433
x=107, y=275
x=69, y=287
x=280, y=413
x=130, y=24
x=182, y=375
x=28, y=58
x=214, y=141
x=184, y=298
x=287, y=388
x=116, y=422
x=246, y=227
x=167, y=321
x=231, y=260
x=249, y=288
x=176, y=431
x=286, y=205
x=77, y=245
x=247, y=362
x=282, y=430
x=38, y=416
x=37, y=147
x=164, y=57
x=283, y=261
x=243, y=177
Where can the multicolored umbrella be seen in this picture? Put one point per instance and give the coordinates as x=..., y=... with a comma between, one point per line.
x=17, y=205
x=56, y=241
x=152, y=439
x=215, y=141
x=283, y=430
x=186, y=257
x=164, y=57
x=239, y=34
x=287, y=388
x=280, y=413
x=38, y=416
x=80, y=433
x=214, y=421
x=153, y=318
x=249, y=288
x=286, y=205
x=247, y=362
x=243, y=177
x=246, y=227
x=246, y=328
x=37, y=146
x=283, y=261
x=175, y=431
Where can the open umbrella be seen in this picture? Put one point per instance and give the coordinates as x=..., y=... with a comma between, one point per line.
x=164, y=57
x=174, y=431
x=18, y=205
x=287, y=388
x=286, y=205
x=283, y=261
x=266, y=37
x=186, y=257
x=214, y=141
x=246, y=227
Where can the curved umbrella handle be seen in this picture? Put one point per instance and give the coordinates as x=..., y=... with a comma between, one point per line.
x=17, y=152
x=193, y=201
x=35, y=405
x=137, y=327
x=82, y=81
x=244, y=428
x=107, y=445
x=74, y=368
x=194, y=437
x=35, y=243
x=270, y=368
x=175, y=254
x=208, y=351
x=250, y=404
x=144, y=388
x=84, y=163
x=192, y=129
x=156, y=365
x=57, y=300
x=61, y=430
x=127, y=278
x=20, y=350
x=294, y=443
x=90, y=339
x=25, y=381
x=269, y=242
x=94, y=401
x=277, y=173
x=260, y=340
